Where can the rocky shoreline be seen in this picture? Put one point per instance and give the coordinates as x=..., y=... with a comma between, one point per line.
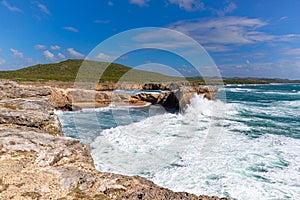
x=176, y=96
x=38, y=162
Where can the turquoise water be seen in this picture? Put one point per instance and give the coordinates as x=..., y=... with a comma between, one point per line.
x=268, y=109
x=244, y=146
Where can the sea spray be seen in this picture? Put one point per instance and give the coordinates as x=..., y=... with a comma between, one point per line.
x=159, y=141
x=256, y=156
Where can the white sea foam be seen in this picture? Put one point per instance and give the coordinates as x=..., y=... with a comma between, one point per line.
x=158, y=139
x=112, y=106
x=134, y=92
x=263, y=168
x=58, y=112
x=293, y=104
x=240, y=89
x=205, y=152
x=279, y=92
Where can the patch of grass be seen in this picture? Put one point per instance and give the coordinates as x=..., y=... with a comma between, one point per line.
x=10, y=106
x=52, y=133
x=32, y=195
x=101, y=197
x=50, y=129
x=76, y=193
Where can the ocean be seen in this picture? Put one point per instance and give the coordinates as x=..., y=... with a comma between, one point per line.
x=245, y=145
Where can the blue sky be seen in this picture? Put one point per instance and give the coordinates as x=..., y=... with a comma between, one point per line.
x=257, y=38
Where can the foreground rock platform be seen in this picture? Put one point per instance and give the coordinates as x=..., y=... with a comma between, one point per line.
x=38, y=162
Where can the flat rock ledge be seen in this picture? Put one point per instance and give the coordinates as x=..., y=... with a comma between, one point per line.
x=38, y=162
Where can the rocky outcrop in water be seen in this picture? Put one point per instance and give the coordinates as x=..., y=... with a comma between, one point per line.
x=176, y=97
x=38, y=162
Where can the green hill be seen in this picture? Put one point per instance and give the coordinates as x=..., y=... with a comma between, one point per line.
x=67, y=71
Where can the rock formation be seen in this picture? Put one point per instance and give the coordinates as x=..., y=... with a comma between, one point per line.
x=121, y=86
x=108, y=86
x=176, y=96
x=38, y=162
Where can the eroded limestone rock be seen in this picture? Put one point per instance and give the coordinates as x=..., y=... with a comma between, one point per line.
x=37, y=165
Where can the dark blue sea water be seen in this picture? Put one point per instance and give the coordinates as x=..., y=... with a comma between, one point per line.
x=244, y=146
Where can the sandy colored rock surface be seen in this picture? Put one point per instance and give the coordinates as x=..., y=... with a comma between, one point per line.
x=176, y=96
x=38, y=162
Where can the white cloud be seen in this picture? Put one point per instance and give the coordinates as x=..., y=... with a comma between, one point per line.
x=74, y=53
x=104, y=57
x=44, y=9
x=217, y=48
x=20, y=55
x=188, y=5
x=156, y=35
x=283, y=18
x=101, y=21
x=10, y=7
x=162, y=39
x=110, y=3
x=39, y=47
x=220, y=34
x=55, y=47
x=292, y=52
x=276, y=69
x=70, y=28
x=251, y=54
x=288, y=37
x=17, y=53
x=140, y=3
x=225, y=30
x=61, y=56
x=49, y=56
x=166, y=45
x=227, y=9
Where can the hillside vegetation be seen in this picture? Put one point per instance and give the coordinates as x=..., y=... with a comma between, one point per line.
x=66, y=71
x=90, y=70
